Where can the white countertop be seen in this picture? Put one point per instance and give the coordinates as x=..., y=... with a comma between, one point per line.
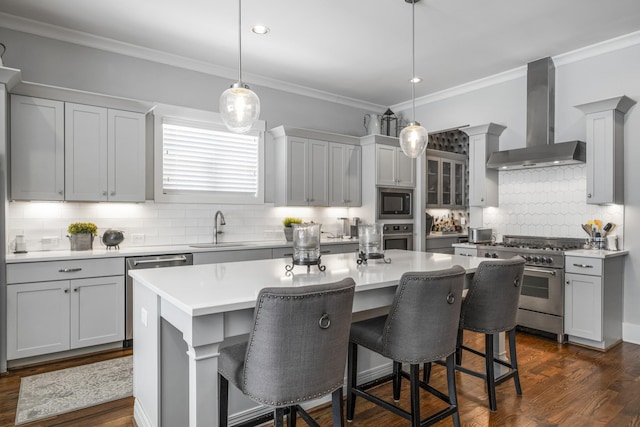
x=216, y=288
x=595, y=253
x=100, y=251
x=449, y=235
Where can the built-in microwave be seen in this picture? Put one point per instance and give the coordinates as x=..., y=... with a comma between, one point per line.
x=395, y=203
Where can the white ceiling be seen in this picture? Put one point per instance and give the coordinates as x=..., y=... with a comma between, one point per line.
x=359, y=49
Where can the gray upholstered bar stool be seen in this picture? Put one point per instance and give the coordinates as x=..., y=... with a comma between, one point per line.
x=296, y=352
x=421, y=327
x=490, y=306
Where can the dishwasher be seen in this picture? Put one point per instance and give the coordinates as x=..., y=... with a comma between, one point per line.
x=138, y=263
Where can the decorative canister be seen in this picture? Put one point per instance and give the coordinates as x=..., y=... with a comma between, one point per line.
x=306, y=242
x=370, y=240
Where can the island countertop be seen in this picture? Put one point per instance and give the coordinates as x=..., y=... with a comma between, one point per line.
x=216, y=288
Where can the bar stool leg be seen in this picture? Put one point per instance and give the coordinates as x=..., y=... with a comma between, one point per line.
x=336, y=408
x=352, y=372
x=426, y=372
x=223, y=401
x=278, y=417
x=397, y=380
x=514, y=360
x=459, y=346
x=292, y=416
x=415, y=395
x=451, y=384
x=491, y=379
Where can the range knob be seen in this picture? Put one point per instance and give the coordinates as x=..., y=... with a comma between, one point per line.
x=548, y=260
x=487, y=255
x=536, y=259
x=494, y=255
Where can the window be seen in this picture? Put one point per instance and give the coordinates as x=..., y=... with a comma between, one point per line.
x=199, y=160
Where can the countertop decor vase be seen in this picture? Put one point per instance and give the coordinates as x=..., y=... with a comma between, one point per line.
x=81, y=235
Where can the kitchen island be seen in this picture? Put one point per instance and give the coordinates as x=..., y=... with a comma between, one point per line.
x=184, y=315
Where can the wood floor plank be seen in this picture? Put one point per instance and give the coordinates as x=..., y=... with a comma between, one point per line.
x=563, y=385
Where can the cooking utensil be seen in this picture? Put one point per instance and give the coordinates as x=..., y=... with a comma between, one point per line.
x=608, y=227
x=598, y=224
x=587, y=229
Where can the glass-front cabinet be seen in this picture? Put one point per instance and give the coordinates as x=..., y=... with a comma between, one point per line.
x=445, y=179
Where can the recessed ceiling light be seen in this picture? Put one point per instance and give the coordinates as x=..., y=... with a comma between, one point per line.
x=260, y=29
x=415, y=80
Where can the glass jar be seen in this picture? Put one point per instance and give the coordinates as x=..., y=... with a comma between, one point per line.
x=306, y=242
x=370, y=239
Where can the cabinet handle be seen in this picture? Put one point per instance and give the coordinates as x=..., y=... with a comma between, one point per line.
x=75, y=289
x=66, y=291
x=325, y=252
x=69, y=270
x=104, y=193
x=113, y=193
x=588, y=195
x=284, y=255
x=568, y=282
x=583, y=265
x=61, y=192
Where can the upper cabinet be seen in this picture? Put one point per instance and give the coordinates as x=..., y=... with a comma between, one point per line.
x=445, y=180
x=315, y=168
x=392, y=167
x=76, y=152
x=345, y=174
x=37, y=149
x=483, y=182
x=605, y=149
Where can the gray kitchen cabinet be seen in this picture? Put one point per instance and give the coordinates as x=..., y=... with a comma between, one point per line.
x=37, y=149
x=215, y=257
x=63, y=305
x=445, y=180
x=393, y=167
x=104, y=154
x=470, y=251
x=303, y=166
x=483, y=182
x=443, y=245
x=345, y=174
x=605, y=149
x=593, y=300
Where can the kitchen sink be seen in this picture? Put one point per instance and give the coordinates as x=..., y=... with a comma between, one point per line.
x=219, y=245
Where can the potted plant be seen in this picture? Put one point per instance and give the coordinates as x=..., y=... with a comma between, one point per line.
x=288, y=231
x=81, y=235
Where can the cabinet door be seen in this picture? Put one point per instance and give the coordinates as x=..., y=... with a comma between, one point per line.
x=385, y=165
x=458, y=184
x=405, y=169
x=433, y=182
x=37, y=318
x=37, y=149
x=126, y=156
x=602, y=147
x=477, y=171
x=97, y=311
x=583, y=306
x=337, y=174
x=318, y=169
x=85, y=153
x=353, y=173
x=296, y=172
x=447, y=183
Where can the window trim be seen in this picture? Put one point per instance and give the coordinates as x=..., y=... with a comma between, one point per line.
x=207, y=119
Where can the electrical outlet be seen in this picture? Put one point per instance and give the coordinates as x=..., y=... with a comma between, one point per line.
x=137, y=239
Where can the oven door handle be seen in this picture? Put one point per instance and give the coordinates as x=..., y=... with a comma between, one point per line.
x=541, y=270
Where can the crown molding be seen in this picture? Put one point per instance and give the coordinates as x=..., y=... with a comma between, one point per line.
x=54, y=32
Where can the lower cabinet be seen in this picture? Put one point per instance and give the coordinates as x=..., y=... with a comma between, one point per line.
x=215, y=257
x=593, y=301
x=443, y=245
x=54, y=306
x=47, y=317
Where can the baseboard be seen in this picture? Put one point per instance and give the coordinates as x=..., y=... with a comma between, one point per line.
x=140, y=416
x=631, y=333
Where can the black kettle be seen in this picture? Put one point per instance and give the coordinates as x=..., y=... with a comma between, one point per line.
x=112, y=238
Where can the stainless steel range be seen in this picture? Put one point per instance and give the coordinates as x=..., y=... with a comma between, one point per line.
x=542, y=296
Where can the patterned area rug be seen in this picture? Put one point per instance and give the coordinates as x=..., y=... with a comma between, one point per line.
x=67, y=390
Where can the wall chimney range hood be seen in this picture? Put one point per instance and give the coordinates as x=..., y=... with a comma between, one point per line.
x=540, y=150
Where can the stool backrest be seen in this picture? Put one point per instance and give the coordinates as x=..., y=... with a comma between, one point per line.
x=422, y=324
x=491, y=303
x=297, y=349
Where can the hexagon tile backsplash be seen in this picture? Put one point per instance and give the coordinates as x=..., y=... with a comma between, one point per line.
x=548, y=202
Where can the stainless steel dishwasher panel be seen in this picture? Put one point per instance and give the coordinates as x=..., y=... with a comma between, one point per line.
x=138, y=263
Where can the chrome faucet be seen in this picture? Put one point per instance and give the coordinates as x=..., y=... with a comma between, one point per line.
x=215, y=225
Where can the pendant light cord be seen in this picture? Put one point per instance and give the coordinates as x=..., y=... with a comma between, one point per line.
x=413, y=59
x=240, y=42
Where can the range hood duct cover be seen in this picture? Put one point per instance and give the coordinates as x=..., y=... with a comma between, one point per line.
x=540, y=151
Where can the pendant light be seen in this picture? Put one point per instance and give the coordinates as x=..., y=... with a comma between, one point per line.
x=413, y=138
x=239, y=105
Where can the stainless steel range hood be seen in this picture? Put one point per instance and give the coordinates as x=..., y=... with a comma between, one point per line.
x=540, y=150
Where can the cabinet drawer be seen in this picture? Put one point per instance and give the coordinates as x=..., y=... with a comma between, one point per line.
x=61, y=270
x=583, y=265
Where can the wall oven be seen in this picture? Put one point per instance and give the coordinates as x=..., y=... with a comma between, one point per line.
x=397, y=236
x=395, y=203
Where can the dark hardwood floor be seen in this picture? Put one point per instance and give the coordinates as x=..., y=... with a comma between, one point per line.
x=563, y=385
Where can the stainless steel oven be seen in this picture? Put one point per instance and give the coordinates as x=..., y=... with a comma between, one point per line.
x=397, y=236
x=542, y=300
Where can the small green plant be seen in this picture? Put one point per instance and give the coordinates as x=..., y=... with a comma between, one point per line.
x=290, y=220
x=83, y=228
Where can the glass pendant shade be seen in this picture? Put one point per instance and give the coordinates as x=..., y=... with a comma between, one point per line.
x=413, y=140
x=239, y=108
